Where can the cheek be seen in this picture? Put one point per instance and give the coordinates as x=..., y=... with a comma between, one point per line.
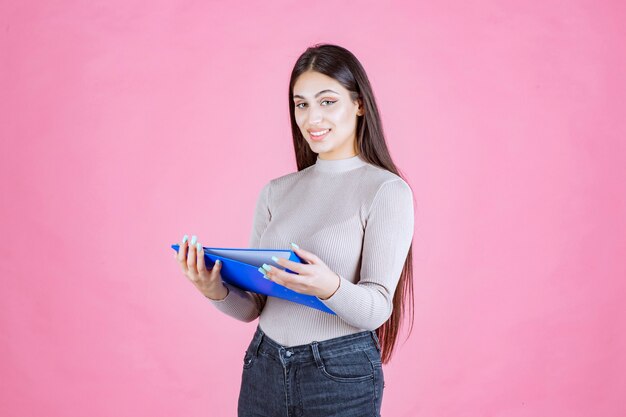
x=340, y=116
x=299, y=119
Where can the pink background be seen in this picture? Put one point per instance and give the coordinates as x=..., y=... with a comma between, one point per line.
x=126, y=124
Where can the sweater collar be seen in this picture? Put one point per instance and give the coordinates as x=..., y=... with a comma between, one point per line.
x=339, y=165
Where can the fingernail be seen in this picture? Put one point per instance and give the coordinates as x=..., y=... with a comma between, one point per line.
x=217, y=261
x=194, y=239
x=295, y=246
x=275, y=259
x=267, y=267
x=198, y=247
x=185, y=238
x=261, y=270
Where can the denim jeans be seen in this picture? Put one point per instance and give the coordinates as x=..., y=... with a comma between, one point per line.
x=340, y=377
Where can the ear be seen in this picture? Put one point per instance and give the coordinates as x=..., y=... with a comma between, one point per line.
x=361, y=110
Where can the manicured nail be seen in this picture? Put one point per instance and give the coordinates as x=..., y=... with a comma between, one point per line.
x=275, y=259
x=198, y=247
x=261, y=270
x=185, y=238
x=295, y=246
x=267, y=267
x=217, y=261
x=194, y=239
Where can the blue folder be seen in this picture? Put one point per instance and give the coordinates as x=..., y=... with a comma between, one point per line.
x=240, y=267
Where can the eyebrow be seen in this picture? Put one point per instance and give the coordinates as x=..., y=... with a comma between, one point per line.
x=323, y=91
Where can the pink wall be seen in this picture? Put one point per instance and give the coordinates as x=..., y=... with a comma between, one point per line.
x=126, y=124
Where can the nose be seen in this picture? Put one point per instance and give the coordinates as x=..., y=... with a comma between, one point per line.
x=315, y=116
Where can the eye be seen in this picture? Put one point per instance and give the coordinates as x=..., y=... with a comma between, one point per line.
x=297, y=106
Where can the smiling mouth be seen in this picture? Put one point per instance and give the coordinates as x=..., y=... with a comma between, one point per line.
x=319, y=135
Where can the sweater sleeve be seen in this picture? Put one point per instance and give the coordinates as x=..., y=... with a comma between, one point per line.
x=245, y=305
x=388, y=235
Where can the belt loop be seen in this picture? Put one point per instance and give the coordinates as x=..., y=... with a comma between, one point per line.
x=316, y=355
x=375, y=337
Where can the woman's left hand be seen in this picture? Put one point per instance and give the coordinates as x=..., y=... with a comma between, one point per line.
x=313, y=278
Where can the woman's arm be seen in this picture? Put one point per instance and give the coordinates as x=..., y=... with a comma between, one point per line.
x=388, y=234
x=245, y=305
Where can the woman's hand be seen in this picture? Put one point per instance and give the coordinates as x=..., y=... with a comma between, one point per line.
x=208, y=282
x=314, y=278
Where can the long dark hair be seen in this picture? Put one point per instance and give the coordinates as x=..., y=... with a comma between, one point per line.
x=340, y=64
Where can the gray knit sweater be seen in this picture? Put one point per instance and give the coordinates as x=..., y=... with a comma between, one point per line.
x=356, y=217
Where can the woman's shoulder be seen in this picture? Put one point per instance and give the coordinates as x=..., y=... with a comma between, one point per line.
x=377, y=177
x=290, y=177
x=285, y=181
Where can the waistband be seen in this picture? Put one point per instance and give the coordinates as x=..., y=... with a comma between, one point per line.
x=362, y=341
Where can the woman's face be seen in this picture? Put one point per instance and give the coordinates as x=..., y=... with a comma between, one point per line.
x=321, y=103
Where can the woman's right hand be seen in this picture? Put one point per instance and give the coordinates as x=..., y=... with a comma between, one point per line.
x=208, y=282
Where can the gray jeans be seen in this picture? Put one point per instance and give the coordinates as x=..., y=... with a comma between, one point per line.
x=340, y=377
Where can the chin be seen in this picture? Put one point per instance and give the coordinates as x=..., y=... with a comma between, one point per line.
x=320, y=147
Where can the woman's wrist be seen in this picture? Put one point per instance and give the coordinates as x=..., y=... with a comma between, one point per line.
x=337, y=288
x=219, y=296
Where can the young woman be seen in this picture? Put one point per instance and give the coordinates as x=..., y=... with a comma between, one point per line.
x=351, y=214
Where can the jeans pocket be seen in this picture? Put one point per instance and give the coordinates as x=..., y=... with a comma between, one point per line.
x=354, y=366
